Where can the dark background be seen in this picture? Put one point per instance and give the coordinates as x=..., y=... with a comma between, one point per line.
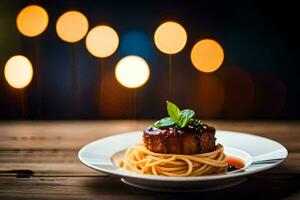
x=259, y=77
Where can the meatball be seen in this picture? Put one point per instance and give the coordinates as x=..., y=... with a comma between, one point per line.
x=175, y=140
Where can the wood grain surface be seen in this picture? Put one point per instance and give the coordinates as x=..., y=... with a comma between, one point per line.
x=38, y=160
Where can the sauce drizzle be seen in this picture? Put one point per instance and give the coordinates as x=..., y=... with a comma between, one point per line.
x=234, y=163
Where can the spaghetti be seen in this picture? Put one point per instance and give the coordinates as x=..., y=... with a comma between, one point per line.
x=139, y=159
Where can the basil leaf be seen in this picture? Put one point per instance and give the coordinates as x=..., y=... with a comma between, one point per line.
x=188, y=113
x=173, y=111
x=180, y=118
x=185, y=117
x=183, y=121
x=165, y=122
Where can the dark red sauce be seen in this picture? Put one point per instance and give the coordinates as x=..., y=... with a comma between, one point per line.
x=234, y=163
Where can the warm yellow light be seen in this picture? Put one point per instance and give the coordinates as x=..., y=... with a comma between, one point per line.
x=207, y=55
x=32, y=20
x=132, y=71
x=72, y=26
x=102, y=41
x=18, y=71
x=170, y=37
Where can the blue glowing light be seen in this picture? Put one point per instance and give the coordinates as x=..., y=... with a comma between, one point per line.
x=136, y=43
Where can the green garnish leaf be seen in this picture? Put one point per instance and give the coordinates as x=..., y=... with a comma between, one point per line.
x=180, y=118
x=165, y=122
x=188, y=113
x=183, y=121
x=173, y=111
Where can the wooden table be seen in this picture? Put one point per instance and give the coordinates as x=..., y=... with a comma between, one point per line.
x=38, y=160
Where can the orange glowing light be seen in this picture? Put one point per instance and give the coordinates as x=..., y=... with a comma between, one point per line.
x=117, y=101
x=102, y=41
x=207, y=55
x=170, y=37
x=32, y=20
x=210, y=95
x=72, y=26
x=18, y=71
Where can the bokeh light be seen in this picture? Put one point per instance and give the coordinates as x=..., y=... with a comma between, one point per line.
x=239, y=91
x=102, y=41
x=72, y=26
x=132, y=71
x=207, y=55
x=18, y=71
x=117, y=100
x=170, y=37
x=136, y=43
x=209, y=95
x=270, y=95
x=32, y=20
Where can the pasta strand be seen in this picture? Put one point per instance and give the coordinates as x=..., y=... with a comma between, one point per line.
x=138, y=159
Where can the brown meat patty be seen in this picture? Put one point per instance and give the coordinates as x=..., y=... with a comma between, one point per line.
x=173, y=140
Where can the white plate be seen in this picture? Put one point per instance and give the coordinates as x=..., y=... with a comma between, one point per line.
x=103, y=155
